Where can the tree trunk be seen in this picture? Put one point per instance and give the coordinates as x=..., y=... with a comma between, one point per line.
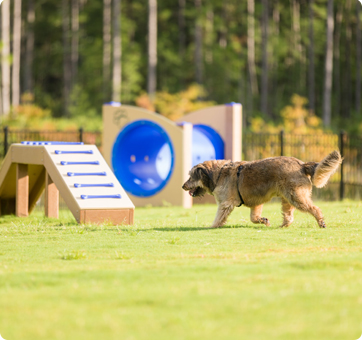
x=75, y=41
x=337, y=60
x=198, y=43
x=181, y=28
x=223, y=28
x=251, y=48
x=298, y=52
x=358, y=61
x=347, y=90
x=296, y=27
x=311, y=74
x=16, y=54
x=106, y=49
x=5, y=52
x=209, y=36
x=181, y=40
x=273, y=100
x=327, y=98
x=152, y=48
x=264, y=77
x=67, y=75
x=117, y=52
x=29, y=54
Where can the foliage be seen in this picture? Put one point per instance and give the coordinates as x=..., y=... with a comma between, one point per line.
x=145, y=102
x=29, y=115
x=224, y=69
x=82, y=113
x=169, y=277
x=174, y=106
x=295, y=119
x=303, y=136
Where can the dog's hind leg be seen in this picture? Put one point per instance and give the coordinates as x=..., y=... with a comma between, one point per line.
x=288, y=213
x=255, y=215
x=223, y=212
x=305, y=204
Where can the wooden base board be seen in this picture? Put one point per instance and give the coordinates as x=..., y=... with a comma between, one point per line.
x=114, y=216
x=51, y=201
x=22, y=190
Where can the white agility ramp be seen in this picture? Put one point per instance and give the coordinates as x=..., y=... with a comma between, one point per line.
x=76, y=171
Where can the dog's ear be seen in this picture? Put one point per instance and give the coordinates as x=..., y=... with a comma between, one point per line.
x=205, y=175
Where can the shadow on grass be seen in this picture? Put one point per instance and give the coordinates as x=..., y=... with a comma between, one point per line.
x=134, y=230
x=166, y=229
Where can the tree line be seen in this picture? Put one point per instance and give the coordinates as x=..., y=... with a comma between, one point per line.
x=74, y=55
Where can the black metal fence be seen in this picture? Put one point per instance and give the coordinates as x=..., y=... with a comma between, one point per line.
x=346, y=183
x=9, y=136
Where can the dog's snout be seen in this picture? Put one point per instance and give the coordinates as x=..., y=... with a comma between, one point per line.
x=185, y=186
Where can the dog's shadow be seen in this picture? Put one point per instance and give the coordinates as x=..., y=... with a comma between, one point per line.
x=185, y=229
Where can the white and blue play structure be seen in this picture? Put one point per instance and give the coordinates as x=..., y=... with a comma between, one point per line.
x=152, y=155
x=76, y=171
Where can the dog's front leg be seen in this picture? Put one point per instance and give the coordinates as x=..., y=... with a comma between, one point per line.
x=223, y=211
x=287, y=210
x=255, y=215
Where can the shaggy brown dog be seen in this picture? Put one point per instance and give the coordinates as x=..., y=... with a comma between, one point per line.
x=255, y=183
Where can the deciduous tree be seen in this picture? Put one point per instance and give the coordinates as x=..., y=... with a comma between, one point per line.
x=16, y=53
x=117, y=52
x=5, y=53
x=152, y=48
x=327, y=96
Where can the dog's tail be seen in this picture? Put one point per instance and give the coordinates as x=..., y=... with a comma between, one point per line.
x=321, y=172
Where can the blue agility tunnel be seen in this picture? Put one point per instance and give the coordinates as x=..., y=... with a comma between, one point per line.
x=143, y=155
x=152, y=155
x=206, y=144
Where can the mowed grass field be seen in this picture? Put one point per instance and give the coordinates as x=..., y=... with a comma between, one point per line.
x=167, y=277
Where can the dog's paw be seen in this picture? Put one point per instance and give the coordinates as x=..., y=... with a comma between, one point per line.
x=322, y=224
x=265, y=221
x=213, y=226
x=285, y=225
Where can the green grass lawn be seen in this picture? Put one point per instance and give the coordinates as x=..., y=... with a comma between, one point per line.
x=167, y=277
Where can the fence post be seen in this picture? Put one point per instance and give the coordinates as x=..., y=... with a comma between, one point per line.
x=81, y=135
x=6, y=143
x=342, y=136
x=281, y=143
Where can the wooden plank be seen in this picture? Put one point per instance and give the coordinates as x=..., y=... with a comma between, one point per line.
x=5, y=172
x=114, y=216
x=233, y=132
x=131, y=216
x=22, y=190
x=51, y=203
x=187, y=162
x=27, y=154
x=211, y=116
x=81, y=217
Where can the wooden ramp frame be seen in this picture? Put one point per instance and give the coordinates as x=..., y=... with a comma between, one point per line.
x=75, y=171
